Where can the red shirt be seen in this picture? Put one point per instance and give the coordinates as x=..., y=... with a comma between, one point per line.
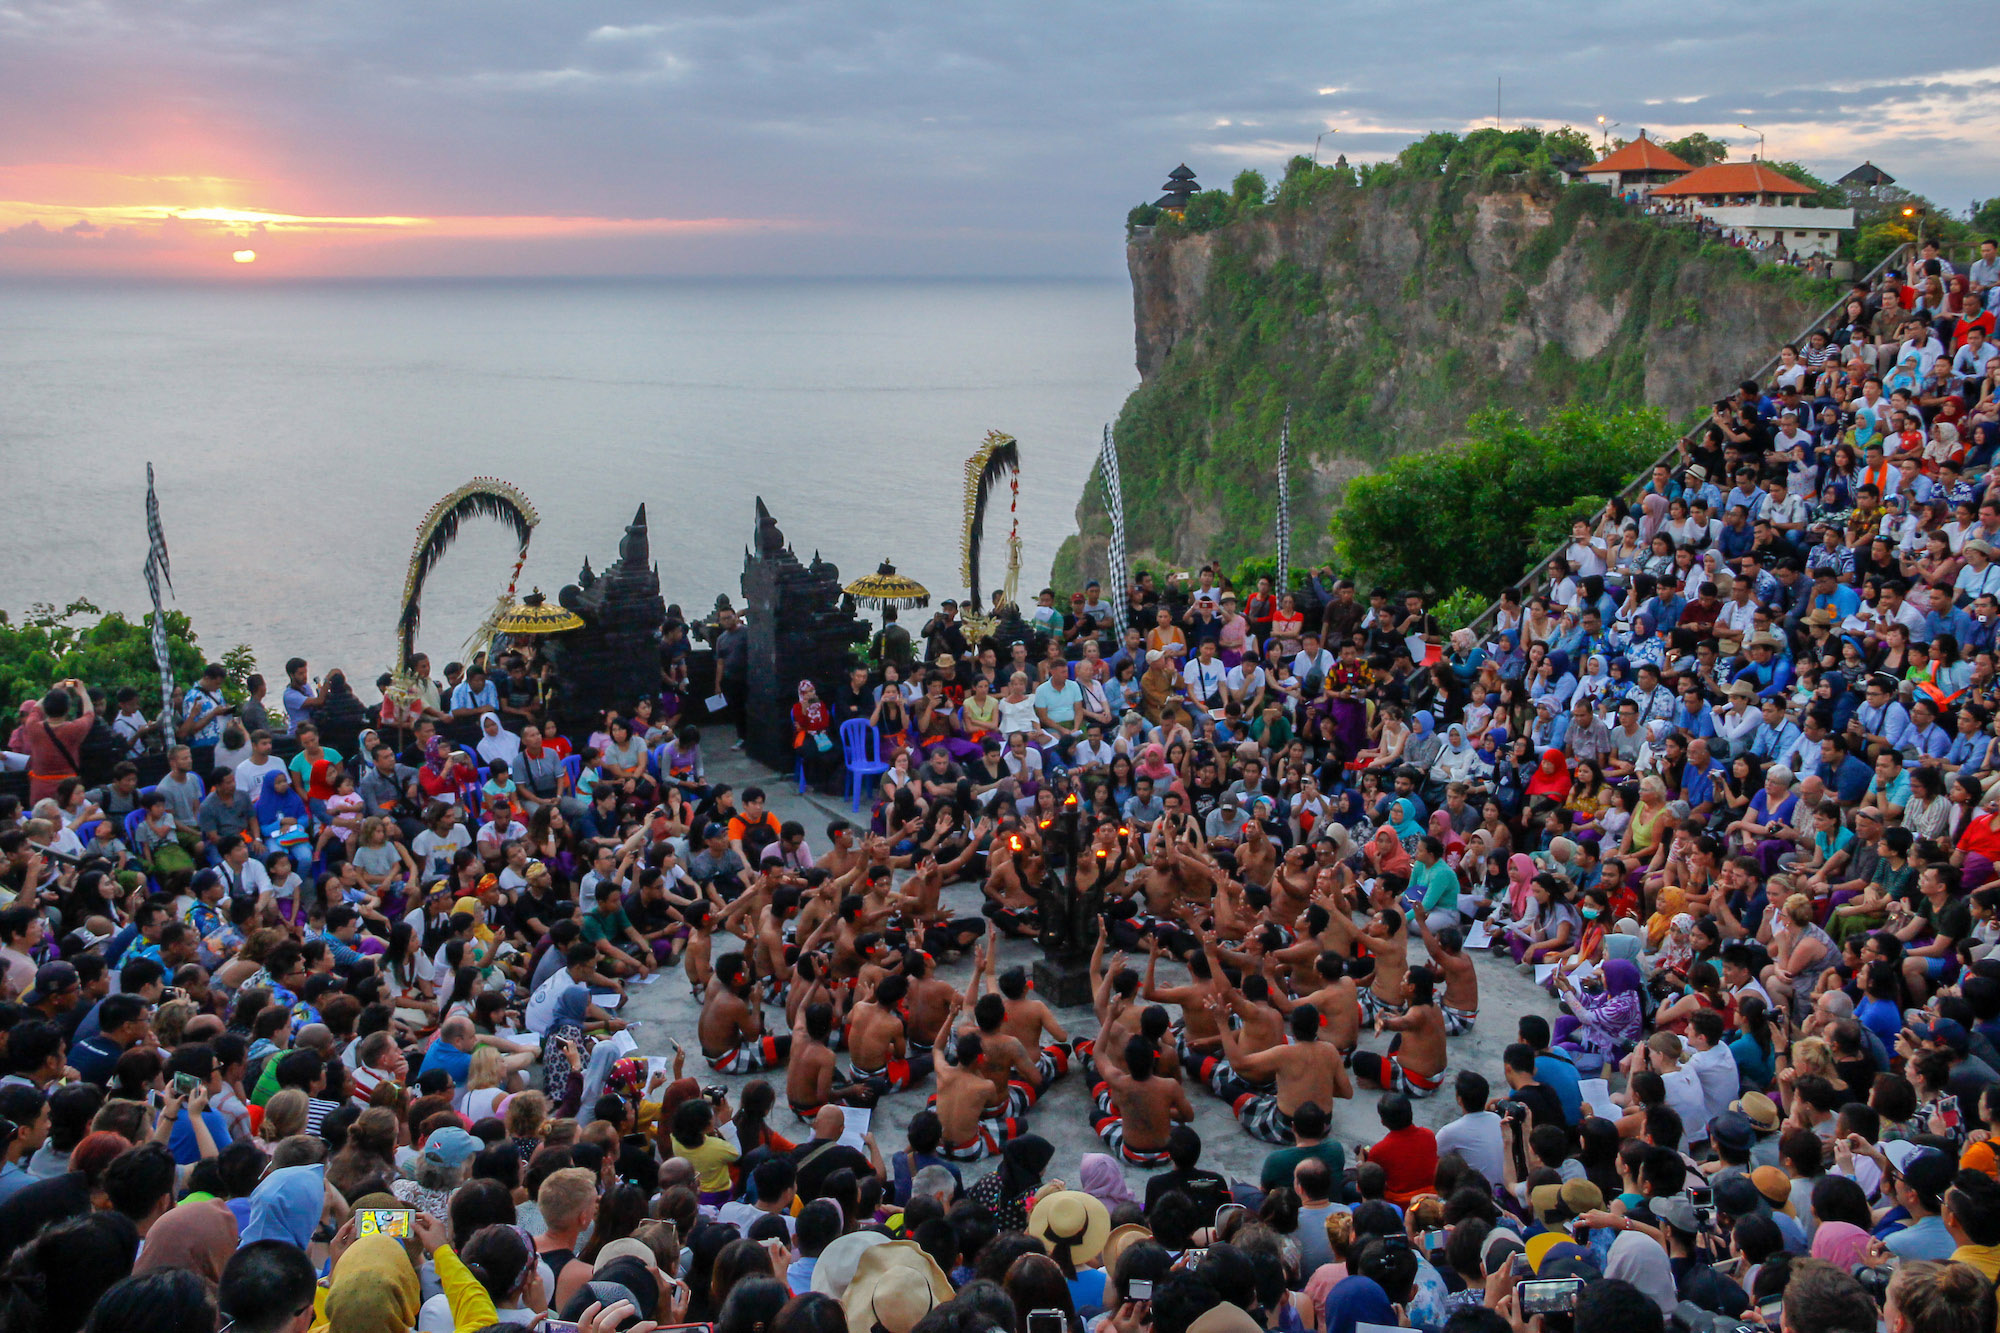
x=1410, y=1156
x=1982, y=837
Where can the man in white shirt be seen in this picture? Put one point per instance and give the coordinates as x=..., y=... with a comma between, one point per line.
x=1970, y=363
x=1684, y=1093
x=243, y=875
x=1585, y=553
x=1711, y=1063
x=250, y=774
x=1311, y=658
x=1093, y=751
x=1245, y=683
x=1475, y=1135
x=1204, y=677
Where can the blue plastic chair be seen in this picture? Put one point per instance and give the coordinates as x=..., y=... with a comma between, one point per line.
x=573, y=766
x=656, y=760
x=133, y=818
x=860, y=754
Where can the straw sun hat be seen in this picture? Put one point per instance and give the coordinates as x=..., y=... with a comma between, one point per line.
x=895, y=1285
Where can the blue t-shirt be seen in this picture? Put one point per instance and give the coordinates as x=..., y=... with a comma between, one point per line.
x=1757, y=1066
x=1086, y=1289
x=1561, y=1078
x=1881, y=1017
x=443, y=1055
x=186, y=1150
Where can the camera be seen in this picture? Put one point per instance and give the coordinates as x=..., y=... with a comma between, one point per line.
x=715, y=1092
x=1513, y=1110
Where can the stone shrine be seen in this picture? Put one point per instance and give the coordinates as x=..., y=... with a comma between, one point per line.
x=614, y=660
x=802, y=627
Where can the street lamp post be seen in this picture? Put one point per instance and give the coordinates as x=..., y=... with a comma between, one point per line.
x=1760, y=138
x=1321, y=135
x=1604, y=128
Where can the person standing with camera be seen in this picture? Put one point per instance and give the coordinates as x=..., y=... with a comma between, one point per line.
x=53, y=731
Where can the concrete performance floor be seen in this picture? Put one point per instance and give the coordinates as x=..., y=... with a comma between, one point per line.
x=667, y=1010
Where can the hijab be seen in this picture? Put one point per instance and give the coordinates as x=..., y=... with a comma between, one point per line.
x=1617, y=1012
x=1454, y=739
x=1842, y=1244
x=1390, y=857
x=437, y=756
x=1653, y=508
x=1638, y=1259
x=1102, y=1178
x=1403, y=814
x=498, y=743
x=1022, y=1162
x=373, y=1288
x=1422, y=724
x=286, y=1206
x=1357, y=1300
x=1520, y=881
x=273, y=804
x=199, y=1235
x=1347, y=811
x=1551, y=777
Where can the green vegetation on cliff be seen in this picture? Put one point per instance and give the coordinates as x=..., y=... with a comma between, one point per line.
x=1386, y=305
x=49, y=645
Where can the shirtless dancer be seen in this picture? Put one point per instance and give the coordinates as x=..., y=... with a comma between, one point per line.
x=732, y=1026
x=1010, y=885
x=929, y=1001
x=810, y=1075
x=1416, y=1059
x=1460, y=1005
x=1197, y=1038
x=1388, y=939
x=1135, y=1109
x=1336, y=997
x=1026, y=1022
x=877, y=1044
x=1306, y=1070
x=974, y=1121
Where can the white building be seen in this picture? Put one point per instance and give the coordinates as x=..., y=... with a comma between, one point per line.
x=1759, y=203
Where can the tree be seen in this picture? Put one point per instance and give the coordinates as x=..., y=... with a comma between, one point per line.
x=51, y=645
x=1248, y=189
x=1473, y=514
x=1986, y=218
x=1824, y=196
x=1875, y=243
x=1572, y=143
x=1698, y=150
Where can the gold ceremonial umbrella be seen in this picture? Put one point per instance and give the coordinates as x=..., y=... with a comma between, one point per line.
x=885, y=587
x=532, y=615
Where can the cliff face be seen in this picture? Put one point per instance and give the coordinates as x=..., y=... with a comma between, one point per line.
x=1384, y=315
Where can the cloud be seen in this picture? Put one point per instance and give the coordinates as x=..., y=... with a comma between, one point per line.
x=876, y=130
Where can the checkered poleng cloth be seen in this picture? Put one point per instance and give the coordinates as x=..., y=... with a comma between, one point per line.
x=1285, y=504
x=157, y=569
x=1114, y=502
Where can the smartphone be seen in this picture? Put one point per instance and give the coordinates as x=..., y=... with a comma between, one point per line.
x=1948, y=1111
x=1189, y=1258
x=391, y=1222
x=1520, y=1267
x=1222, y=1214
x=1047, y=1321
x=1772, y=1308
x=663, y=1328
x=185, y=1084
x=1432, y=1240
x=1139, y=1289
x=557, y=1326
x=1549, y=1295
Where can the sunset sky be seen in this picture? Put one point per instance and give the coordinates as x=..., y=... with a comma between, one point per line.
x=363, y=137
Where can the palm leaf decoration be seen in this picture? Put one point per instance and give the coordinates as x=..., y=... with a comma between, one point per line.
x=996, y=458
x=479, y=499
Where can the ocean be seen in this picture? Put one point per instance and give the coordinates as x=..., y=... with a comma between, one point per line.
x=299, y=432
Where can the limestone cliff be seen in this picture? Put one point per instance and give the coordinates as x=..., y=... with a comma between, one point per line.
x=1384, y=307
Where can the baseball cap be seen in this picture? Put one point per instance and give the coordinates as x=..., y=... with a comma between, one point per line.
x=1732, y=1129
x=52, y=979
x=1949, y=1031
x=1738, y=1197
x=451, y=1146
x=1677, y=1211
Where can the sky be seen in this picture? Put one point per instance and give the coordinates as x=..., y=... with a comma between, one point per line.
x=181, y=138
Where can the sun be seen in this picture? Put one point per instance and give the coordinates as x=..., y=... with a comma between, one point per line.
x=246, y=256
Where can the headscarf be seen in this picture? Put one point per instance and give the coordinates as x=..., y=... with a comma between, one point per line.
x=437, y=756
x=1454, y=739
x=1551, y=777
x=1422, y=724
x=1841, y=1244
x=1616, y=1013
x=286, y=1206
x=273, y=805
x=373, y=1288
x=1391, y=858
x=1357, y=1300
x=1520, y=882
x=1022, y=1162
x=1102, y=1178
x=1403, y=816
x=1153, y=763
x=499, y=743
x=1347, y=811
x=1653, y=507
x=1637, y=1258
x=199, y=1235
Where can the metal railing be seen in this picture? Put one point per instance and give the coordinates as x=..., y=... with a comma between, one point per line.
x=1525, y=586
